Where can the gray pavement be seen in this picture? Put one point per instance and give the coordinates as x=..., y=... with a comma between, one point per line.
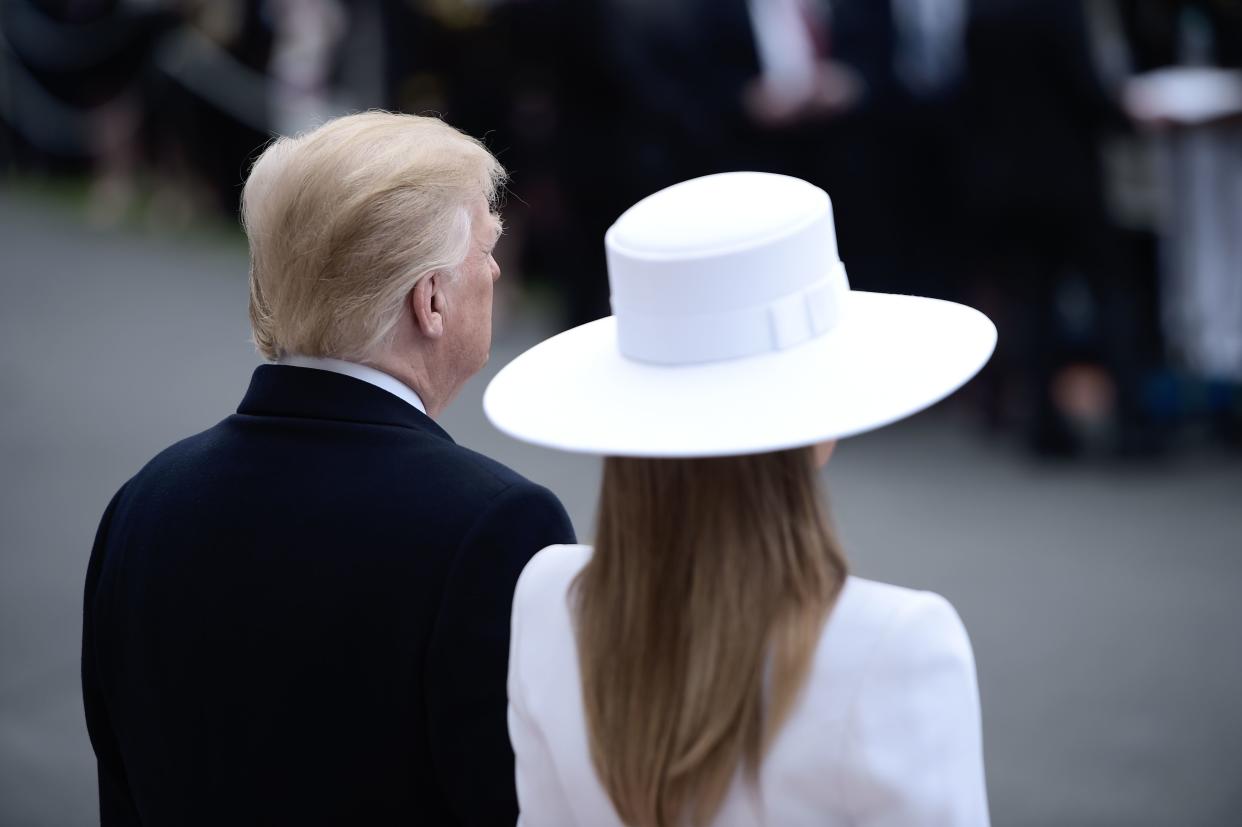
x=1103, y=602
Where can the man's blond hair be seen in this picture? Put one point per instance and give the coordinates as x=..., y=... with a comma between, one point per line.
x=344, y=220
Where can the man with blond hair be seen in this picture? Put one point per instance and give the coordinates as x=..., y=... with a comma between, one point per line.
x=300, y=616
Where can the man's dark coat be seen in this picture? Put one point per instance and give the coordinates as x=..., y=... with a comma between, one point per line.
x=301, y=616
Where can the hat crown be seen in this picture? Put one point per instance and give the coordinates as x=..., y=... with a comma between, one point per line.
x=716, y=213
x=723, y=267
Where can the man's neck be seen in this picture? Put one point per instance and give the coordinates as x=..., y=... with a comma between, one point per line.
x=413, y=373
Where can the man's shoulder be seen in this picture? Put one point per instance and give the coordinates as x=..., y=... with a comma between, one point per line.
x=182, y=455
x=472, y=479
x=476, y=471
x=388, y=457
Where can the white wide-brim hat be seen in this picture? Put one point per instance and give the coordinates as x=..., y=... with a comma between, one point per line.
x=734, y=332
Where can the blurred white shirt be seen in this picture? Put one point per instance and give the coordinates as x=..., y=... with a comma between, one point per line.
x=784, y=45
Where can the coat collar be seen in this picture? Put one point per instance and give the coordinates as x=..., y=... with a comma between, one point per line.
x=284, y=390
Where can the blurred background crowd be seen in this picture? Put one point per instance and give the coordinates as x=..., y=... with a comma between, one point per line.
x=1072, y=168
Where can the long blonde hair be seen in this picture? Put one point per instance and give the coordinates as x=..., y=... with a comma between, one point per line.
x=697, y=619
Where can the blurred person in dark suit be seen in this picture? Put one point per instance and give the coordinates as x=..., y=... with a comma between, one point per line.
x=300, y=616
x=713, y=86
x=568, y=109
x=1044, y=244
x=894, y=152
x=726, y=85
x=856, y=96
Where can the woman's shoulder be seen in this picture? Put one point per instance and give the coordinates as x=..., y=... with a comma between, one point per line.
x=548, y=575
x=886, y=601
x=553, y=565
x=875, y=622
x=894, y=701
x=542, y=647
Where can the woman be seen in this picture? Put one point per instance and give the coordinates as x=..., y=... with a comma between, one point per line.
x=710, y=661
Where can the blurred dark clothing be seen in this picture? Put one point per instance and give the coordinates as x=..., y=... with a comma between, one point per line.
x=889, y=160
x=301, y=615
x=574, y=138
x=649, y=94
x=1036, y=113
x=684, y=67
x=1154, y=31
x=892, y=163
x=1043, y=241
x=83, y=53
x=186, y=134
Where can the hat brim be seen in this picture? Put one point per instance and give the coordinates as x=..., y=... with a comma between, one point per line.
x=890, y=356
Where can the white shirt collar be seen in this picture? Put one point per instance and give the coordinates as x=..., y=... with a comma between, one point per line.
x=365, y=373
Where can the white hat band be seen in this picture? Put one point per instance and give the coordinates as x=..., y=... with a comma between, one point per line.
x=732, y=334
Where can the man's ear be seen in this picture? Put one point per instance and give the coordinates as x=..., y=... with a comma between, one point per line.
x=427, y=304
